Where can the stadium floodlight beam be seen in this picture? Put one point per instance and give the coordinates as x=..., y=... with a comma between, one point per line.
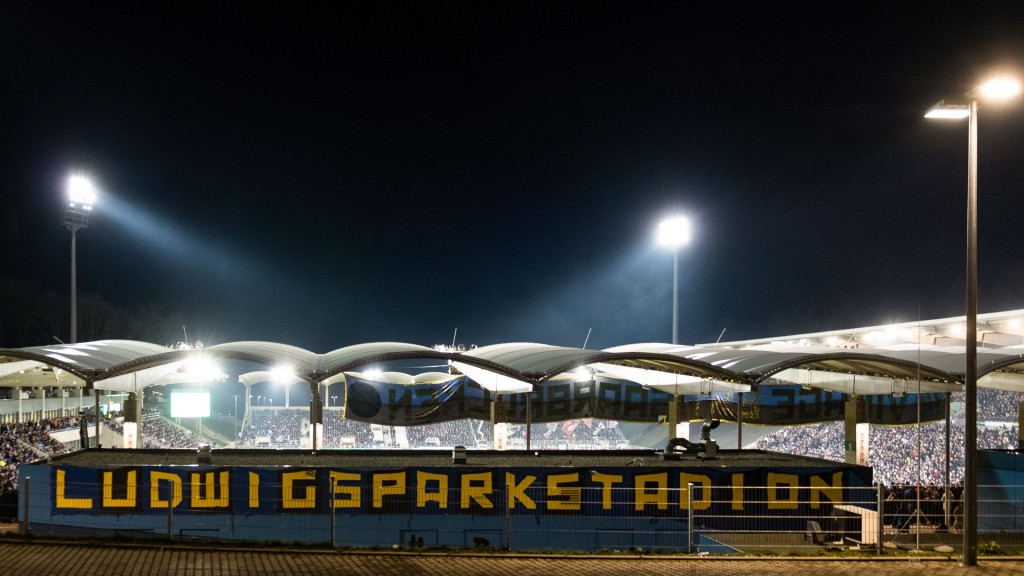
x=997, y=89
x=674, y=233
x=284, y=375
x=81, y=198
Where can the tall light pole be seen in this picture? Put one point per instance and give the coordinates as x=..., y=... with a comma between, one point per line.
x=674, y=233
x=996, y=89
x=81, y=197
x=236, y=416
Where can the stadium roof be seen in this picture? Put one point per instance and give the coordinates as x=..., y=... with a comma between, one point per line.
x=922, y=356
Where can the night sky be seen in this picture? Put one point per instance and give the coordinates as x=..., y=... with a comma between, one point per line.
x=327, y=174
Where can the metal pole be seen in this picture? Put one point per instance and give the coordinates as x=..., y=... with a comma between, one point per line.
x=689, y=519
x=74, y=291
x=314, y=408
x=26, y=525
x=96, y=393
x=675, y=297
x=528, y=419
x=970, y=495
x=947, y=503
x=739, y=422
x=880, y=527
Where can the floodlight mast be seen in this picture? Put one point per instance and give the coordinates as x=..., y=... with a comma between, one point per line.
x=81, y=198
x=1001, y=88
x=674, y=233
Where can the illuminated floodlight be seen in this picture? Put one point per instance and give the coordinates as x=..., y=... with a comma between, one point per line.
x=997, y=89
x=202, y=369
x=582, y=374
x=81, y=192
x=1000, y=88
x=943, y=111
x=373, y=374
x=674, y=232
x=282, y=374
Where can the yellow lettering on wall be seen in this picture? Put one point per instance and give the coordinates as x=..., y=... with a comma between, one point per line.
x=783, y=482
x=737, y=492
x=345, y=496
x=571, y=494
x=440, y=495
x=642, y=490
x=108, y=491
x=477, y=487
x=606, y=481
x=211, y=491
x=288, y=498
x=155, y=478
x=833, y=492
x=65, y=502
x=254, y=490
x=701, y=486
x=517, y=492
x=387, y=484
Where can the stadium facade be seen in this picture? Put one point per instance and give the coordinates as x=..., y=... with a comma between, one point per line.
x=888, y=375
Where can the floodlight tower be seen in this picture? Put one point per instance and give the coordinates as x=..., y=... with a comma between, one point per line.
x=996, y=89
x=674, y=233
x=81, y=198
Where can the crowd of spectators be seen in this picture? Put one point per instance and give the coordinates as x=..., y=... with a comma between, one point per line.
x=910, y=504
x=905, y=455
x=155, y=432
x=582, y=434
x=996, y=405
x=277, y=427
x=342, y=433
x=442, y=434
x=280, y=428
x=898, y=454
x=25, y=442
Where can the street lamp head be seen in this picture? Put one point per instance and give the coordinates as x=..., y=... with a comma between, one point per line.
x=674, y=232
x=943, y=111
x=1000, y=88
x=81, y=192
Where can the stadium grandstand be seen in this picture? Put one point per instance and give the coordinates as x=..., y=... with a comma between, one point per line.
x=785, y=394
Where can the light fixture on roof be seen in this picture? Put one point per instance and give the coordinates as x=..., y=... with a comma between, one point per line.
x=282, y=374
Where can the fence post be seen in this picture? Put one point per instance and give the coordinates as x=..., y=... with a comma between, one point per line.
x=27, y=487
x=689, y=518
x=507, y=536
x=881, y=517
x=331, y=509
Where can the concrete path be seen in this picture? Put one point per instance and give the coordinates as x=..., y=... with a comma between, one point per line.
x=27, y=558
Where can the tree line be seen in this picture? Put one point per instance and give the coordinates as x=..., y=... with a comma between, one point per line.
x=31, y=315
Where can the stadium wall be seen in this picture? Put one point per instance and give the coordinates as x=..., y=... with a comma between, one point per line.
x=1000, y=491
x=517, y=508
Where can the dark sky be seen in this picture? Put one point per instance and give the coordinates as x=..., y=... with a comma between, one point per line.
x=326, y=174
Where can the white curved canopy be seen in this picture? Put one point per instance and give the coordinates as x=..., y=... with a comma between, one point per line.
x=860, y=361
